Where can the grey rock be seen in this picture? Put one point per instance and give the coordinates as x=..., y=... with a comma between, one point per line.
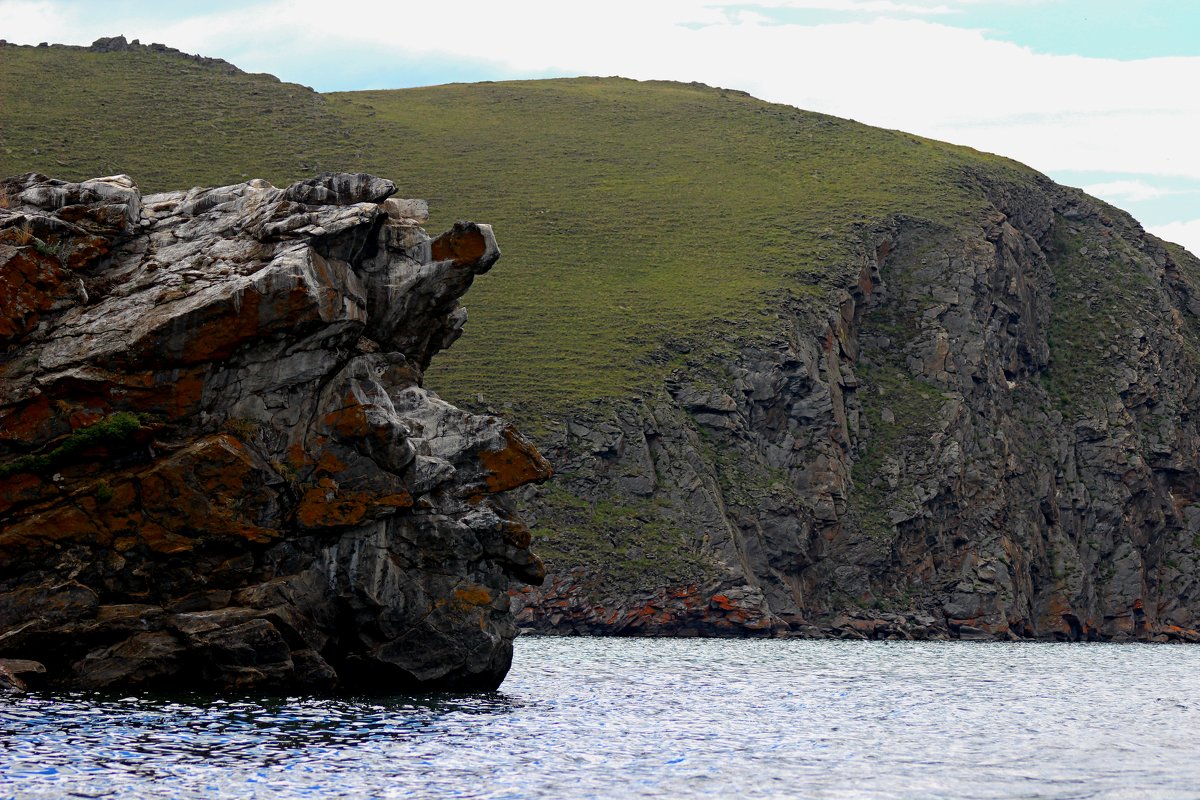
x=979, y=426
x=220, y=427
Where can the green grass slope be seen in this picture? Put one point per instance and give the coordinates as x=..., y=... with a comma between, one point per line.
x=169, y=121
x=630, y=214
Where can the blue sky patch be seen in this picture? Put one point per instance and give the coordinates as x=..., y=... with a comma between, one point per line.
x=1178, y=197
x=1119, y=29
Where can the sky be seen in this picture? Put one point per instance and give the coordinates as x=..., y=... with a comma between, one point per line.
x=1095, y=93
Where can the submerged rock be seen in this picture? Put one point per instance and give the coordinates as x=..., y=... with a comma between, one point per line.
x=219, y=467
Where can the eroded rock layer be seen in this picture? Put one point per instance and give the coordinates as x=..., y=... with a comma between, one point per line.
x=218, y=465
x=990, y=432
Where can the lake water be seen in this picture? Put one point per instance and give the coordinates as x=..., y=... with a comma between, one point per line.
x=671, y=718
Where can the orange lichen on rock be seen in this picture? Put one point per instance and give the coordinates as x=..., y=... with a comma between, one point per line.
x=462, y=245
x=33, y=421
x=1052, y=619
x=210, y=489
x=214, y=332
x=174, y=394
x=34, y=283
x=349, y=421
x=329, y=463
x=472, y=596
x=517, y=464
x=19, y=488
x=171, y=394
x=36, y=533
x=327, y=506
x=81, y=251
x=722, y=602
x=323, y=507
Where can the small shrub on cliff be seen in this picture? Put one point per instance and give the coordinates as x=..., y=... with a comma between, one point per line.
x=45, y=249
x=113, y=429
x=247, y=430
x=110, y=430
x=21, y=235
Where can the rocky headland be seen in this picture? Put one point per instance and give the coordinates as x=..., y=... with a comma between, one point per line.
x=881, y=387
x=219, y=468
x=988, y=432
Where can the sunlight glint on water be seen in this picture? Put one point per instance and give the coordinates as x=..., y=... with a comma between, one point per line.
x=674, y=718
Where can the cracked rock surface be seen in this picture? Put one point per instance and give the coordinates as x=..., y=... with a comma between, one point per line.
x=219, y=468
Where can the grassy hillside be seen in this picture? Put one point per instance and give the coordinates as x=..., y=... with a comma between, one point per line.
x=630, y=214
x=169, y=121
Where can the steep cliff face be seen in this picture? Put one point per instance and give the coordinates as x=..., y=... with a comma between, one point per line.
x=987, y=432
x=218, y=465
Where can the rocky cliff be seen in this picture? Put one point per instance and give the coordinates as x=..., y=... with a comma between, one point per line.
x=799, y=376
x=219, y=467
x=987, y=431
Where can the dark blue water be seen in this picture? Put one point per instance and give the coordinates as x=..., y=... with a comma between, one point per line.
x=608, y=718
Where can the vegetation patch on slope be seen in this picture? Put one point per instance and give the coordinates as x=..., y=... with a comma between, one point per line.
x=628, y=546
x=168, y=121
x=1095, y=316
x=115, y=429
x=900, y=412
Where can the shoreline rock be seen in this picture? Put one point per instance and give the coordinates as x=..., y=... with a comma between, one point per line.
x=219, y=467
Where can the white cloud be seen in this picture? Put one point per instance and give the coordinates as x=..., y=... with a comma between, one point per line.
x=32, y=21
x=878, y=6
x=1131, y=191
x=1186, y=233
x=855, y=6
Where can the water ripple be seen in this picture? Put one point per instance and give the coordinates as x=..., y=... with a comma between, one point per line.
x=604, y=718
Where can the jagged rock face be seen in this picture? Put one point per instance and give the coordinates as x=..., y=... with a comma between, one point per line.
x=988, y=434
x=218, y=465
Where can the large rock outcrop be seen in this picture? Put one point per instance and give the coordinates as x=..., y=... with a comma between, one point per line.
x=218, y=465
x=989, y=431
